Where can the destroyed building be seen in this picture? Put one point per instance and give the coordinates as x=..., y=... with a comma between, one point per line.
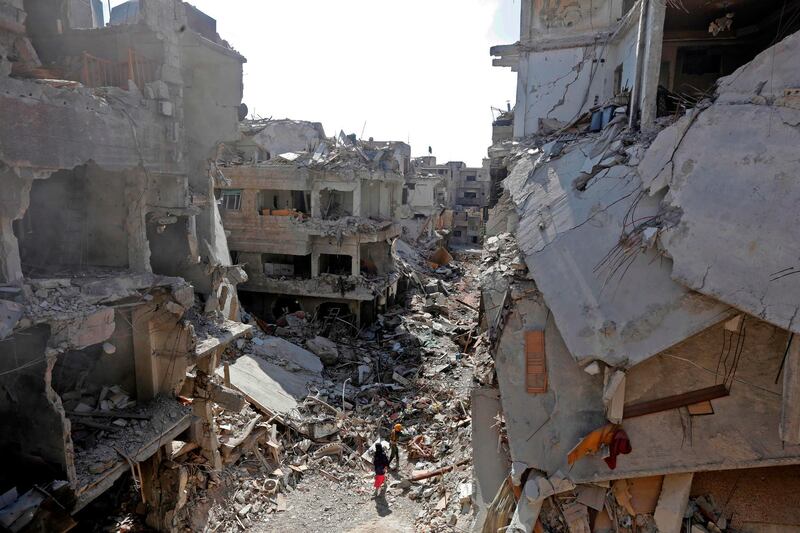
x=312, y=219
x=424, y=206
x=115, y=280
x=639, y=286
x=467, y=194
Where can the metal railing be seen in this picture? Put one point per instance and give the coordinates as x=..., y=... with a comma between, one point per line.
x=100, y=72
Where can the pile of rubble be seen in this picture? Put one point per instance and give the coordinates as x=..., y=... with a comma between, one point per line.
x=102, y=436
x=413, y=367
x=339, y=152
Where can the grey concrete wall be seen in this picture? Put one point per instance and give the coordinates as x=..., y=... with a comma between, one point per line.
x=490, y=460
x=738, y=235
x=71, y=122
x=28, y=391
x=621, y=312
x=543, y=428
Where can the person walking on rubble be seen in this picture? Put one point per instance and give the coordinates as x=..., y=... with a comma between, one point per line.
x=381, y=463
x=394, y=438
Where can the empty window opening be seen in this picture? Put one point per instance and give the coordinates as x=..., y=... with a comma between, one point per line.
x=339, y=265
x=376, y=259
x=618, y=80
x=336, y=204
x=76, y=218
x=725, y=38
x=231, y=200
x=281, y=203
x=472, y=178
x=288, y=266
x=170, y=252
x=470, y=195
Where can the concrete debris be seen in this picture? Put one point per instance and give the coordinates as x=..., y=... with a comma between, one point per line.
x=637, y=268
x=325, y=349
x=379, y=378
x=672, y=503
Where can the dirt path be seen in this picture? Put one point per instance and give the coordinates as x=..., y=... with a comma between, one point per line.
x=324, y=506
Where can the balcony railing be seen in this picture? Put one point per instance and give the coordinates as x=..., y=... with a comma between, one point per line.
x=99, y=72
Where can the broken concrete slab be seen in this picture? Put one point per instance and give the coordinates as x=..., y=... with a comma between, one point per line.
x=768, y=73
x=268, y=386
x=672, y=502
x=283, y=349
x=324, y=348
x=536, y=490
x=490, y=468
x=725, y=245
x=620, y=311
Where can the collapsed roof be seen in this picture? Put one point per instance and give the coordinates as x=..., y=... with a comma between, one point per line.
x=304, y=144
x=637, y=248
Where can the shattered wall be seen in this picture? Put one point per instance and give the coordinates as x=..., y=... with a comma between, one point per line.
x=610, y=299
x=282, y=136
x=638, y=254
x=556, y=85
x=736, y=236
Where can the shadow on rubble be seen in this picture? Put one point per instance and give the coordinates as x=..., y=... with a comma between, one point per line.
x=381, y=505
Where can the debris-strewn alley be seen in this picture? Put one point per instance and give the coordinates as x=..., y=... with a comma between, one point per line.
x=319, y=394
x=214, y=320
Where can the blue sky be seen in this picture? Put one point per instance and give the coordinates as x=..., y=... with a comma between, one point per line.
x=416, y=70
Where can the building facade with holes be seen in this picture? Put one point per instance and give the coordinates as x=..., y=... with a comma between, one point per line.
x=112, y=256
x=312, y=220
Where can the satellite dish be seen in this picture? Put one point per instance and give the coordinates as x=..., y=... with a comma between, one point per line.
x=243, y=111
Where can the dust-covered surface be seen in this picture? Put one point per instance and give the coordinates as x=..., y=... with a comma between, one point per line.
x=109, y=448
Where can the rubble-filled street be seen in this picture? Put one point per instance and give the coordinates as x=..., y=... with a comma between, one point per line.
x=414, y=367
x=298, y=458
x=259, y=271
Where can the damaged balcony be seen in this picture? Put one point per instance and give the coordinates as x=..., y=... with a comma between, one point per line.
x=101, y=356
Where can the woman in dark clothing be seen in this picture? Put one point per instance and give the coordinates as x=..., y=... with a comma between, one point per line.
x=381, y=463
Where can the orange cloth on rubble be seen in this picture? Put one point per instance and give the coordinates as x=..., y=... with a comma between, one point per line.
x=592, y=442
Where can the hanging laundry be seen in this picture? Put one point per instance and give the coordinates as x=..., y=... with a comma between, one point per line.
x=620, y=445
x=611, y=435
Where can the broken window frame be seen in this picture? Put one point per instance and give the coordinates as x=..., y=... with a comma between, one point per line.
x=231, y=200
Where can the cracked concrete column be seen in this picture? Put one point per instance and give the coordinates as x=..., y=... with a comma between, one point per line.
x=13, y=203
x=357, y=199
x=652, y=63
x=10, y=263
x=521, y=108
x=315, y=208
x=314, y=264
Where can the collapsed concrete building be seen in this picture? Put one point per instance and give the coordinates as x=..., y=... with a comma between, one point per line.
x=117, y=292
x=424, y=206
x=467, y=195
x=640, y=288
x=313, y=219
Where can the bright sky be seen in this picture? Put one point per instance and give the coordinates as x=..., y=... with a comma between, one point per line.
x=415, y=70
